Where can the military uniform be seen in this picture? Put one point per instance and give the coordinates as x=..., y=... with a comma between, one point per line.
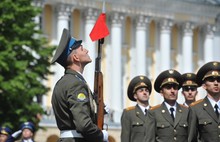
x=203, y=122
x=72, y=100
x=133, y=123
x=133, y=118
x=161, y=127
x=204, y=125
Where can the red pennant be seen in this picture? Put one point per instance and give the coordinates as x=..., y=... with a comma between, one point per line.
x=100, y=30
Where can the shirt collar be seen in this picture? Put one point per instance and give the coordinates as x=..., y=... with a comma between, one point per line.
x=169, y=106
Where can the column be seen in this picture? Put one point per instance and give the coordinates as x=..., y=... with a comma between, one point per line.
x=187, y=46
x=141, y=44
x=165, y=45
x=208, y=43
x=62, y=22
x=116, y=80
x=90, y=18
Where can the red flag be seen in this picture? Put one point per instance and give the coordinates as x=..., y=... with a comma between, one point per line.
x=100, y=30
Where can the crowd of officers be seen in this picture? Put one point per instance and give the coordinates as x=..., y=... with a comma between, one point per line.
x=24, y=134
x=192, y=121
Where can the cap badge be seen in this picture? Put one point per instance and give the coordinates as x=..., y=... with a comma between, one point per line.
x=214, y=73
x=189, y=82
x=141, y=77
x=188, y=75
x=215, y=63
x=171, y=80
x=171, y=71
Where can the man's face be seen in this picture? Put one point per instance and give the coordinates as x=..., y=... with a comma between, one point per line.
x=212, y=85
x=27, y=134
x=3, y=137
x=189, y=93
x=142, y=95
x=169, y=92
x=82, y=55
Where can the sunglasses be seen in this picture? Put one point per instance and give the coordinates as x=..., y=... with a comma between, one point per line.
x=189, y=88
x=169, y=86
x=212, y=79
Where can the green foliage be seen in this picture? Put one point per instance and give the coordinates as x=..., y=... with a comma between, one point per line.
x=24, y=63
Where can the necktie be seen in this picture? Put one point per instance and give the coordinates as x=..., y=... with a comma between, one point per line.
x=172, y=114
x=145, y=112
x=216, y=110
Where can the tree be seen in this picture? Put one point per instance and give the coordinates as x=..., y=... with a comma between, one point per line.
x=24, y=63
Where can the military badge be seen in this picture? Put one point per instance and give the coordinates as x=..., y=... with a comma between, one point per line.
x=81, y=97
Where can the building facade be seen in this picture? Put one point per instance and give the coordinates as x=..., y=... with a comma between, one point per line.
x=146, y=37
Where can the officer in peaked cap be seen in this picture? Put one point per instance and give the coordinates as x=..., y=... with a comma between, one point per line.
x=72, y=100
x=5, y=134
x=204, y=113
x=133, y=118
x=189, y=88
x=27, y=130
x=28, y=125
x=168, y=116
x=211, y=69
x=66, y=45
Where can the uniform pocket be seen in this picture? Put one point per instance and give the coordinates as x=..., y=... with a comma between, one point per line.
x=163, y=124
x=183, y=124
x=205, y=121
x=138, y=126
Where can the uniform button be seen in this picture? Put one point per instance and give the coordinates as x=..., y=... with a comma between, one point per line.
x=174, y=138
x=137, y=123
x=205, y=123
x=174, y=130
x=162, y=126
x=184, y=125
x=219, y=126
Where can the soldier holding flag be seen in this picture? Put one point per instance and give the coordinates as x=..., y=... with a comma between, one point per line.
x=73, y=102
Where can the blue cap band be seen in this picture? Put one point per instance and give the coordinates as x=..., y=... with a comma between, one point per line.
x=71, y=42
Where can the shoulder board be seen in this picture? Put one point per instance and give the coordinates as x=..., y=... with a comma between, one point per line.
x=155, y=107
x=130, y=108
x=183, y=106
x=196, y=102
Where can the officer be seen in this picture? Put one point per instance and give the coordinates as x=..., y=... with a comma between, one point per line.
x=72, y=100
x=5, y=134
x=28, y=130
x=133, y=118
x=204, y=119
x=189, y=88
x=168, y=121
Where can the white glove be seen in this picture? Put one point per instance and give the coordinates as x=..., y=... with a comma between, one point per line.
x=16, y=134
x=105, y=135
x=107, y=110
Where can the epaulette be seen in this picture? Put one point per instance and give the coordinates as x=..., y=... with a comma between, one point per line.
x=155, y=107
x=183, y=106
x=130, y=108
x=196, y=102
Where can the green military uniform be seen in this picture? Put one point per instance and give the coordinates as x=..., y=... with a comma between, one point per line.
x=133, y=118
x=72, y=101
x=161, y=127
x=133, y=124
x=204, y=125
x=203, y=122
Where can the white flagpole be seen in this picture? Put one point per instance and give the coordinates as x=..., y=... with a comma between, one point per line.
x=103, y=7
